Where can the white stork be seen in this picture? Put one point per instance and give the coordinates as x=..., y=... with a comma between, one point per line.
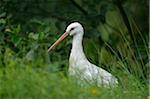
x=79, y=66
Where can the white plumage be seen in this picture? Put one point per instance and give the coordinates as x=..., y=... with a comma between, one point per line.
x=79, y=66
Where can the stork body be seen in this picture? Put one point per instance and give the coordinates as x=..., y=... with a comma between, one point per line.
x=79, y=66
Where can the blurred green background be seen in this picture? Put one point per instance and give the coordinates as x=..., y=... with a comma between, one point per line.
x=116, y=39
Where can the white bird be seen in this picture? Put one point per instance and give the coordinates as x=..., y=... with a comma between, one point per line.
x=79, y=66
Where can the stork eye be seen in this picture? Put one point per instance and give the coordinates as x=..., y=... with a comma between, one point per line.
x=72, y=29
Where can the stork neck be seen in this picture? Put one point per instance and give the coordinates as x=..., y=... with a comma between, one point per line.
x=77, y=48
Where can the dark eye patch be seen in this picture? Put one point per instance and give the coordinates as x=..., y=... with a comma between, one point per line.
x=72, y=29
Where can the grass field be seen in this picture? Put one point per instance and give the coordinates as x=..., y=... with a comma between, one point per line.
x=35, y=76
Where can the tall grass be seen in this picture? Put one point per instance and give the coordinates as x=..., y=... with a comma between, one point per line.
x=40, y=78
x=22, y=81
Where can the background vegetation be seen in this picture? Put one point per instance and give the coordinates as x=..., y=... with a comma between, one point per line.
x=116, y=39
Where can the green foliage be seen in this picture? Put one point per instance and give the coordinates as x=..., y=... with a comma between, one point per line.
x=25, y=78
x=30, y=83
x=29, y=27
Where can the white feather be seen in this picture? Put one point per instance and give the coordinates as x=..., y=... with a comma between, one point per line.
x=80, y=67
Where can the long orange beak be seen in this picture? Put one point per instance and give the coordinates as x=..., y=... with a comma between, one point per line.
x=59, y=40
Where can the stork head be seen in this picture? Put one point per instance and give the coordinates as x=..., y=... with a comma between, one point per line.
x=73, y=29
